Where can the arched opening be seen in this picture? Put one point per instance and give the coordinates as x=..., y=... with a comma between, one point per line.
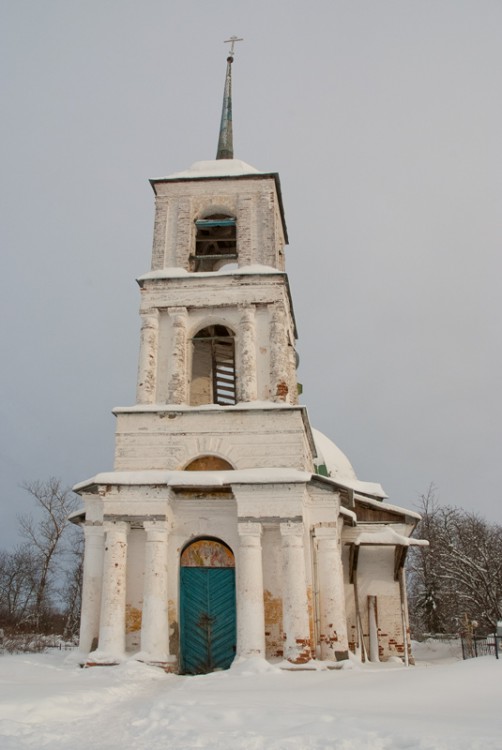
x=215, y=242
x=209, y=463
x=213, y=367
x=208, y=633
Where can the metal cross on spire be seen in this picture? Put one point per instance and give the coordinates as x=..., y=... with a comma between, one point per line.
x=232, y=41
x=226, y=140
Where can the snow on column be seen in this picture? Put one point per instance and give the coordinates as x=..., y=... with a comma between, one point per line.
x=92, y=581
x=297, y=646
x=147, y=366
x=250, y=607
x=246, y=370
x=154, y=621
x=113, y=600
x=178, y=364
x=333, y=623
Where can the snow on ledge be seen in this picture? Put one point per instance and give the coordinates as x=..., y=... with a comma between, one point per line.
x=349, y=514
x=179, y=408
x=388, y=536
x=358, y=485
x=198, y=478
x=174, y=272
x=213, y=168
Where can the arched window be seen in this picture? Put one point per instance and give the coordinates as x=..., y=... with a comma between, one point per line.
x=209, y=463
x=213, y=367
x=215, y=242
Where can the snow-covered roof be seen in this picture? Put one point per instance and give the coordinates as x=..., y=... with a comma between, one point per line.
x=387, y=535
x=214, y=168
x=329, y=454
x=340, y=469
x=374, y=489
x=379, y=505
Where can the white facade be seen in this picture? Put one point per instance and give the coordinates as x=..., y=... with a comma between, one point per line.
x=217, y=468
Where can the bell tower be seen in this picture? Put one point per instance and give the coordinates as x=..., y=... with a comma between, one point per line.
x=217, y=319
x=227, y=526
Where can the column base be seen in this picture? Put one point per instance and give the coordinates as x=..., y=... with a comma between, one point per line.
x=167, y=663
x=301, y=653
x=314, y=665
x=90, y=663
x=103, y=659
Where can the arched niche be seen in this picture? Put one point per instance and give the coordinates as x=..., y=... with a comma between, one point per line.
x=215, y=242
x=213, y=379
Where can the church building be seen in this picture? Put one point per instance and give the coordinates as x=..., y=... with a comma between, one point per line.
x=229, y=527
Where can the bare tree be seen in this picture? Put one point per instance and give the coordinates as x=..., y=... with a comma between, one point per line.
x=471, y=565
x=459, y=574
x=426, y=590
x=44, y=536
x=17, y=586
x=71, y=590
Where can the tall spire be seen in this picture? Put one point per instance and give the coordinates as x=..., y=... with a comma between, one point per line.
x=226, y=139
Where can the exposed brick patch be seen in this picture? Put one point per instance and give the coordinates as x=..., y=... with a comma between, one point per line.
x=133, y=619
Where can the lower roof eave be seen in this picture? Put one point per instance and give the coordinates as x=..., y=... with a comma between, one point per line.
x=187, y=479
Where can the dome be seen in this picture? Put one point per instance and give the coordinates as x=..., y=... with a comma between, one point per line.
x=337, y=464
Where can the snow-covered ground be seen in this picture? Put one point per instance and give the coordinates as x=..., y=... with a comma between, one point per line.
x=46, y=701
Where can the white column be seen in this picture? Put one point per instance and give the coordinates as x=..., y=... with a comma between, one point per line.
x=113, y=600
x=178, y=363
x=373, y=628
x=159, y=259
x=246, y=369
x=92, y=582
x=250, y=607
x=295, y=609
x=333, y=622
x=279, y=363
x=154, y=620
x=147, y=365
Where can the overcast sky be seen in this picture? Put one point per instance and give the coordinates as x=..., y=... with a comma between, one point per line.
x=384, y=121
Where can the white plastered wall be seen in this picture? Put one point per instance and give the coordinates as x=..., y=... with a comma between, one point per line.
x=375, y=577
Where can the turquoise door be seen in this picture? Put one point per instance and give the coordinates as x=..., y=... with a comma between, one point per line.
x=207, y=619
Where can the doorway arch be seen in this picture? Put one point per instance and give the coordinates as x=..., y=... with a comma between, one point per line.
x=207, y=607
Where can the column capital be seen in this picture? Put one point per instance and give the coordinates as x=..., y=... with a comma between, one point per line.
x=249, y=528
x=248, y=314
x=178, y=311
x=326, y=532
x=117, y=528
x=93, y=531
x=291, y=529
x=150, y=319
x=156, y=531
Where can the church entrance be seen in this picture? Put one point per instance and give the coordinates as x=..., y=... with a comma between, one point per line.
x=207, y=607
